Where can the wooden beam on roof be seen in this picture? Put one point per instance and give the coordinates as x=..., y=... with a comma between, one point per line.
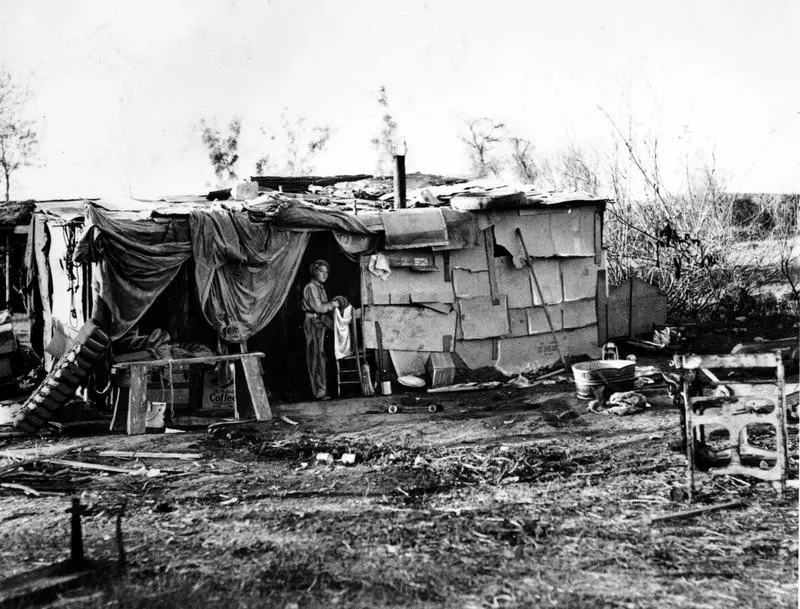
x=301, y=183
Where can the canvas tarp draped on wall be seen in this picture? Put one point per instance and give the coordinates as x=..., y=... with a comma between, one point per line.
x=245, y=259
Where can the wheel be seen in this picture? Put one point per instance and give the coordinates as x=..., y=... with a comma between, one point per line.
x=392, y=408
x=433, y=408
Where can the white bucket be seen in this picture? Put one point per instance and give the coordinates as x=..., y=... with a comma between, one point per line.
x=154, y=419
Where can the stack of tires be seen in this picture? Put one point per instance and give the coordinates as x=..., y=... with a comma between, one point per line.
x=68, y=374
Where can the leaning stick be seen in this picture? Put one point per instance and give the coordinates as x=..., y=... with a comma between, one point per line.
x=541, y=298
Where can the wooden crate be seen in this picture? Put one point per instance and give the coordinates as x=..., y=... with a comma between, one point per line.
x=441, y=369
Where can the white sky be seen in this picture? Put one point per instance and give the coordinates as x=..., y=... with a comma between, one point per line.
x=119, y=87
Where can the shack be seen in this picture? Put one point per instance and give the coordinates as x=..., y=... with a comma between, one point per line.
x=446, y=275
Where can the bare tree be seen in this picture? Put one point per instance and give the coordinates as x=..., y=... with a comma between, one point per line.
x=223, y=149
x=523, y=160
x=384, y=142
x=577, y=172
x=481, y=137
x=292, y=152
x=302, y=144
x=18, y=137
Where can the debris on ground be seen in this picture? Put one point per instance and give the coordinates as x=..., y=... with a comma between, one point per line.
x=621, y=403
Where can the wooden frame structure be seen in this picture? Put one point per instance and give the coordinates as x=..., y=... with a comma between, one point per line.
x=251, y=395
x=735, y=406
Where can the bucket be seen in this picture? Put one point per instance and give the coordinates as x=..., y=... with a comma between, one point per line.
x=386, y=387
x=154, y=419
x=616, y=374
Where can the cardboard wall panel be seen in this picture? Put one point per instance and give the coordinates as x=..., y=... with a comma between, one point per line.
x=531, y=353
x=514, y=283
x=537, y=319
x=573, y=231
x=578, y=313
x=476, y=353
x=518, y=321
x=468, y=284
x=548, y=232
x=406, y=285
x=409, y=328
x=479, y=318
x=469, y=258
x=580, y=278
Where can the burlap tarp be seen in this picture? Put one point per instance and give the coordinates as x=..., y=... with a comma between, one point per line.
x=245, y=259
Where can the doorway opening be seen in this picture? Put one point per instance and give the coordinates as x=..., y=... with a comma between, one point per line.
x=283, y=340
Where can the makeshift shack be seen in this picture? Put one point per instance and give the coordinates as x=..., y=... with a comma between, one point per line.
x=447, y=275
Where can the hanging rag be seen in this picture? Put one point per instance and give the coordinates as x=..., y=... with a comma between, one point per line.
x=341, y=332
x=379, y=266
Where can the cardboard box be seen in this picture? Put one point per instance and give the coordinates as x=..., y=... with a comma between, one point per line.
x=441, y=369
x=219, y=387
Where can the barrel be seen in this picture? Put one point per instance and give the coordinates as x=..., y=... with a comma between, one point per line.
x=616, y=374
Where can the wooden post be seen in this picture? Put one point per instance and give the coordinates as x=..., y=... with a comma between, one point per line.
x=252, y=401
x=76, y=538
x=8, y=272
x=137, y=402
x=400, y=177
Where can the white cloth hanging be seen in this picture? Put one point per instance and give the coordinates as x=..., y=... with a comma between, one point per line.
x=379, y=266
x=341, y=332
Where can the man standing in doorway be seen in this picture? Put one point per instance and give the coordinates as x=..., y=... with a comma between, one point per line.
x=317, y=308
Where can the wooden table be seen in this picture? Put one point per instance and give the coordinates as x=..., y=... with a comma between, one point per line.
x=251, y=395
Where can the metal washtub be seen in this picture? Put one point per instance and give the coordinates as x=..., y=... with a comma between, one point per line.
x=616, y=374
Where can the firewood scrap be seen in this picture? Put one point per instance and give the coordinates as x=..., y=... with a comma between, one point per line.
x=111, y=469
x=700, y=510
x=244, y=424
x=39, y=451
x=133, y=454
x=20, y=487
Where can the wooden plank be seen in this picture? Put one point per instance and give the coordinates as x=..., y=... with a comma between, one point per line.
x=189, y=360
x=750, y=360
x=98, y=467
x=488, y=244
x=598, y=238
x=133, y=454
x=601, y=308
x=137, y=402
x=255, y=386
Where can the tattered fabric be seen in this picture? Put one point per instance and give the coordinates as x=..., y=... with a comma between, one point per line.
x=244, y=270
x=137, y=259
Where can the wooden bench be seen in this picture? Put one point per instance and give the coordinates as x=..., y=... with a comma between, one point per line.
x=251, y=395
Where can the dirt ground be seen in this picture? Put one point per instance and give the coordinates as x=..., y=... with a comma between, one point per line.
x=504, y=498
